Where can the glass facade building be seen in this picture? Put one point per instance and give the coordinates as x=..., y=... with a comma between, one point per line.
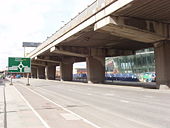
x=142, y=61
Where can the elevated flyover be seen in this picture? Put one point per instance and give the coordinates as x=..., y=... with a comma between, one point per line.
x=107, y=28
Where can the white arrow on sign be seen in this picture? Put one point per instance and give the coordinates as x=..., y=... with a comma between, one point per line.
x=21, y=66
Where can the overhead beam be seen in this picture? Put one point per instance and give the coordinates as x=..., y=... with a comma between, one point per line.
x=117, y=27
x=38, y=64
x=46, y=60
x=33, y=66
x=64, y=52
x=116, y=52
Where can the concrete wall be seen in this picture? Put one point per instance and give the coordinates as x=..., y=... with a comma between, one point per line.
x=162, y=61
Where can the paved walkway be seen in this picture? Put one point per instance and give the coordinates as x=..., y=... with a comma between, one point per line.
x=1, y=106
x=18, y=113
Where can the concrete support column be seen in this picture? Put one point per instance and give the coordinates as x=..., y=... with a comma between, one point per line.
x=66, y=71
x=162, y=63
x=50, y=71
x=34, y=72
x=95, y=69
x=41, y=72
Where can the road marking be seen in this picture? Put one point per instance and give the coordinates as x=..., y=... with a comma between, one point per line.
x=35, y=112
x=89, y=94
x=69, y=116
x=124, y=101
x=109, y=94
x=85, y=120
x=148, y=96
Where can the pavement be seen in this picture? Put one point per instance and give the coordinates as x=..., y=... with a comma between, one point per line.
x=1, y=105
x=17, y=113
x=54, y=104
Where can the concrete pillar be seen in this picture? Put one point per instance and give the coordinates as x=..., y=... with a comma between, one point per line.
x=162, y=63
x=41, y=72
x=34, y=72
x=50, y=71
x=66, y=71
x=95, y=69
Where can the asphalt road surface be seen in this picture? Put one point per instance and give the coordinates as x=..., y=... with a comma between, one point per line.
x=102, y=106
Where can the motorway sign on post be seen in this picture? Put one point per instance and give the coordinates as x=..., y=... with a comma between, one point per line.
x=19, y=65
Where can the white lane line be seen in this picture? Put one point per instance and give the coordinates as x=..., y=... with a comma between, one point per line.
x=124, y=101
x=109, y=94
x=89, y=94
x=35, y=112
x=85, y=120
x=148, y=96
x=69, y=116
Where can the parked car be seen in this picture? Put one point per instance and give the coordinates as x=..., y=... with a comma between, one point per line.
x=148, y=77
x=18, y=76
x=13, y=76
x=121, y=77
x=81, y=76
x=108, y=76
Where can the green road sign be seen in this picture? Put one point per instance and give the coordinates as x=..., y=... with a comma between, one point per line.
x=19, y=65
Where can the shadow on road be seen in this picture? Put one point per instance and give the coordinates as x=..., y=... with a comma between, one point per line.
x=149, y=85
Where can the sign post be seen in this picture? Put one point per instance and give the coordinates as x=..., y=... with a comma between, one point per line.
x=28, y=83
x=19, y=65
x=11, y=81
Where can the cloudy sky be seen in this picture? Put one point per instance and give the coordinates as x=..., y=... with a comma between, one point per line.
x=32, y=21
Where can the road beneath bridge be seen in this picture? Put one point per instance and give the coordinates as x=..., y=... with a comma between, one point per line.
x=104, y=106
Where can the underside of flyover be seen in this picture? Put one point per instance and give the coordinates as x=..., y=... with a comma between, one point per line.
x=140, y=24
x=93, y=39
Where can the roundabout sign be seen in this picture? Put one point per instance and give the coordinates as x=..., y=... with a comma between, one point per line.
x=19, y=65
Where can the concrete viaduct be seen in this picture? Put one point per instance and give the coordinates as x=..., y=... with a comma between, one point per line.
x=107, y=28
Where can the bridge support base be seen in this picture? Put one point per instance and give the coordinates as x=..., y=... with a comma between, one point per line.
x=34, y=72
x=95, y=69
x=41, y=72
x=66, y=71
x=162, y=62
x=50, y=72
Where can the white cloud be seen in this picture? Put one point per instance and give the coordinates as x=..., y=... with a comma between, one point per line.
x=32, y=20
